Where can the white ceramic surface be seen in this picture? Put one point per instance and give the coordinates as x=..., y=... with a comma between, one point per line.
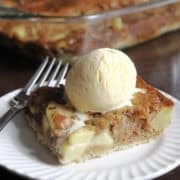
x=20, y=152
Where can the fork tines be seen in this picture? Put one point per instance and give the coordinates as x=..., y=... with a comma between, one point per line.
x=50, y=73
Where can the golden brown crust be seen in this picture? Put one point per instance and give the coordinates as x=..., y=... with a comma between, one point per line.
x=70, y=7
x=153, y=97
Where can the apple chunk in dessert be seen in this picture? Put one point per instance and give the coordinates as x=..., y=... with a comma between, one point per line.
x=104, y=106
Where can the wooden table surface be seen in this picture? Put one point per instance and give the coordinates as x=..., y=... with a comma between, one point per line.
x=157, y=61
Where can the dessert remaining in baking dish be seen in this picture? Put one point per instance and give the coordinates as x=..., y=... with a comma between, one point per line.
x=112, y=110
x=76, y=29
x=70, y=7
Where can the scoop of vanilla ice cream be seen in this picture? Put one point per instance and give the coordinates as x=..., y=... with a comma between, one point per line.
x=100, y=81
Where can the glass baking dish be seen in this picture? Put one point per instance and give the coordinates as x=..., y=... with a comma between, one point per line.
x=67, y=37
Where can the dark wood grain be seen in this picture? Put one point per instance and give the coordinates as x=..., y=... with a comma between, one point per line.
x=157, y=61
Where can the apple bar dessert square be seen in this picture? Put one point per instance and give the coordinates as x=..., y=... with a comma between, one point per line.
x=104, y=106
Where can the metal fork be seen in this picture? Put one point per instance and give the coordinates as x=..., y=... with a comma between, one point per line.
x=49, y=73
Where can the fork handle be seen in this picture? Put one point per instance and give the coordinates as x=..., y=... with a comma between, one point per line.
x=8, y=116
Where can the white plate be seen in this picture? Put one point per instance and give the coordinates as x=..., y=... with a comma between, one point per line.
x=20, y=152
